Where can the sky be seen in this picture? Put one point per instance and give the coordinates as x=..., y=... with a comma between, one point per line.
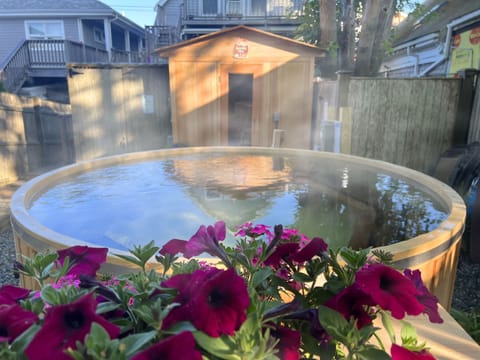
x=139, y=11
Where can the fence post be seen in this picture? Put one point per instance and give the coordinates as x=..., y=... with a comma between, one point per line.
x=343, y=80
x=464, y=109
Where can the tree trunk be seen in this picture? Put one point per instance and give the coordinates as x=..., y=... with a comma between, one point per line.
x=376, y=27
x=346, y=36
x=328, y=36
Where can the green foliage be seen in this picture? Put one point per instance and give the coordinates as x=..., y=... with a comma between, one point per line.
x=470, y=321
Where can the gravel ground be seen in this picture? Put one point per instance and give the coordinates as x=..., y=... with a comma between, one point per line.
x=466, y=294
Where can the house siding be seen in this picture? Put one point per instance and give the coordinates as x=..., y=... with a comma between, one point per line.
x=170, y=14
x=11, y=33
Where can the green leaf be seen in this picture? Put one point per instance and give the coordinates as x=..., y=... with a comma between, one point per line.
x=220, y=347
x=387, y=324
x=99, y=334
x=261, y=275
x=50, y=295
x=371, y=353
x=130, y=259
x=133, y=343
x=21, y=342
x=106, y=307
x=332, y=321
x=299, y=276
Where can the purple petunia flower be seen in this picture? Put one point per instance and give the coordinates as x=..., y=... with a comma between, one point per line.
x=427, y=299
x=214, y=301
x=177, y=347
x=14, y=320
x=400, y=353
x=352, y=302
x=289, y=343
x=281, y=251
x=206, y=239
x=63, y=326
x=10, y=294
x=314, y=247
x=173, y=247
x=389, y=289
x=84, y=260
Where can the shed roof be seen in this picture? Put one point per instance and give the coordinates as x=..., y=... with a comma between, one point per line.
x=439, y=14
x=242, y=30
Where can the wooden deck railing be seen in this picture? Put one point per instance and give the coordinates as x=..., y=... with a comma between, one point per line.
x=34, y=54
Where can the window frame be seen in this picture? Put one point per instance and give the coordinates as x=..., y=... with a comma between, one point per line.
x=98, y=35
x=46, y=36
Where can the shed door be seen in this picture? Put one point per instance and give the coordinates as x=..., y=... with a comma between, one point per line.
x=240, y=103
x=240, y=95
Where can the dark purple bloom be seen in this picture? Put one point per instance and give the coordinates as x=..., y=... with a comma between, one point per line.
x=10, y=294
x=289, y=343
x=427, y=299
x=63, y=326
x=185, y=284
x=352, y=302
x=14, y=320
x=214, y=301
x=84, y=260
x=389, y=289
x=177, y=347
x=281, y=251
x=400, y=353
x=315, y=247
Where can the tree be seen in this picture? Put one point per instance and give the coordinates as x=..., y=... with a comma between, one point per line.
x=353, y=31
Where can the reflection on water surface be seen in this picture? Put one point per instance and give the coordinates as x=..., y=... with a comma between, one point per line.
x=345, y=203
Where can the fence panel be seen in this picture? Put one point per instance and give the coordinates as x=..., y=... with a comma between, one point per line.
x=34, y=135
x=408, y=122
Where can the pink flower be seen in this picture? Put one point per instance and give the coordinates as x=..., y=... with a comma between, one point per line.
x=389, y=289
x=427, y=299
x=10, y=294
x=173, y=247
x=63, y=326
x=289, y=343
x=84, y=260
x=205, y=240
x=352, y=302
x=400, y=353
x=254, y=231
x=214, y=301
x=14, y=320
x=177, y=347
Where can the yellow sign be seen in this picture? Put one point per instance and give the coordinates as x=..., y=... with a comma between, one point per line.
x=466, y=51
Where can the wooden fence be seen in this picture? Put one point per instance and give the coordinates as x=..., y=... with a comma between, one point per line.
x=35, y=135
x=118, y=109
x=409, y=122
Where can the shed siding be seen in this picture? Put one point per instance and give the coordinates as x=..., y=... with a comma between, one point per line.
x=282, y=83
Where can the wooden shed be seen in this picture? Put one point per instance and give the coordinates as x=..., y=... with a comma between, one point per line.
x=235, y=86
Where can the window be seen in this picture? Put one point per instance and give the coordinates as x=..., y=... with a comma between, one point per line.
x=99, y=35
x=44, y=29
x=210, y=7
